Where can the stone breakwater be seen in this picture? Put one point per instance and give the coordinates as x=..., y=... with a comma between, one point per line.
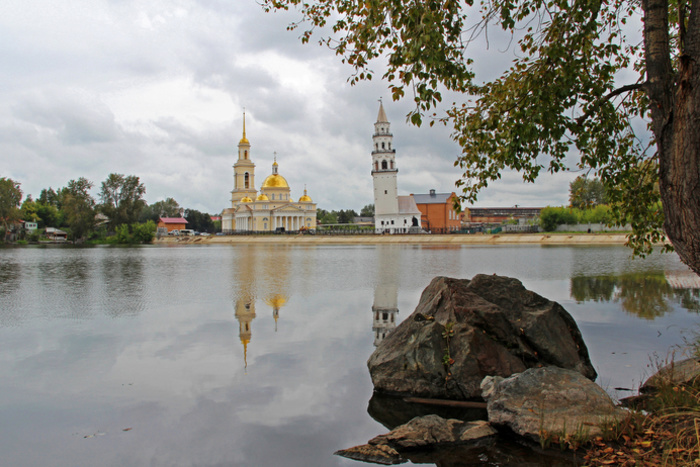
x=426, y=239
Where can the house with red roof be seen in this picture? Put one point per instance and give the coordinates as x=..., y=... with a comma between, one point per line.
x=168, y=224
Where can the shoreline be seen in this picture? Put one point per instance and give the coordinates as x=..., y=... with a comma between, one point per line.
x=424, y=239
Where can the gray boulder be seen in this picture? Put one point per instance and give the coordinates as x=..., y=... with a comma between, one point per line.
x=463, y=330
x=549, y=403
x=684, y=372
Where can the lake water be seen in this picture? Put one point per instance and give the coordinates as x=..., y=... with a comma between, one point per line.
x=254, y=355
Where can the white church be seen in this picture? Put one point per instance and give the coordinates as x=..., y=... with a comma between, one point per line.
x=392, y=213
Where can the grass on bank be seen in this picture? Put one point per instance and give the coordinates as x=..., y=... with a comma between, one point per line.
x=662, y=429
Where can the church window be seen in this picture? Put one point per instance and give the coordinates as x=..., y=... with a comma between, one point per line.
x=246, y=177
x=265, y=226
x=245, y=154
x=385, y=316
x=392, y=222
x=382, y=145
x=273, y=197
x=376, y=165
x=392, y=164
x=384, y=165
x=389, y=145
x=392, y=317
x=386, y=192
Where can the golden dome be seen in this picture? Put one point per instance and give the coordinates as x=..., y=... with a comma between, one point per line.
x=275, y=181
x=246, y=199
x=262, y=197
x=306, y=198
x=276, y=301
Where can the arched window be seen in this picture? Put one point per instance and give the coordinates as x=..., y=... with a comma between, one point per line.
x=382, y=145
x=392, y=164
x=246, y=177
x=245, y=154
x=376, y=165
x=384, y=166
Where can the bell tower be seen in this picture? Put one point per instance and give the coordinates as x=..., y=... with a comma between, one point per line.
x=243, y=171
x=384, y=174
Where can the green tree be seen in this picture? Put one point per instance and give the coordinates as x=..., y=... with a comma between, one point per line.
x=10, y=199
x=367, y=211
x=29, y=210
x=561, y=96
x=551, y=217
x=586, y=193
x=199, y=221
x=121, y=199
x=167, y=208
x=79, y=207
x=346, y=216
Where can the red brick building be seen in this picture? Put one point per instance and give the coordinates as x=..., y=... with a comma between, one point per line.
x=437, y=211
x=171, y=223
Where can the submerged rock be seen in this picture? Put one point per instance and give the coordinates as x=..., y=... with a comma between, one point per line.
x=549, y=402
x=464, y=330
x=433, y=430
x=429, y=432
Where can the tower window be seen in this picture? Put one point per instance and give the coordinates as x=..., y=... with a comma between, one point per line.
x=382, y=145
x=392, y=164
x=376, y=165
x=245, y=154
x=246, y=177
x=386, y=192
x=384, y=166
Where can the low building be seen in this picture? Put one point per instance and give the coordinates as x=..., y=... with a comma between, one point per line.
x=438, y=213
x=56, y=235
x=168, y=224
x=498, y=215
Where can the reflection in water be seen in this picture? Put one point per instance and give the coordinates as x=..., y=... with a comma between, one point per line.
x=124, y=283
x=385, y=307
x=646, y=295
x=260, y=272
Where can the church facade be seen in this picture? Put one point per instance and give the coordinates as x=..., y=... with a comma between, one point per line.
x=392, y=213
x=271, y=209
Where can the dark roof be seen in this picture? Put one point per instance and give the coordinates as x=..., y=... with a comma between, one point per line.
x=432, y=198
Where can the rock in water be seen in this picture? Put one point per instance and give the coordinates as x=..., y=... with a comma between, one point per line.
x=463, y=330
x=549, y=403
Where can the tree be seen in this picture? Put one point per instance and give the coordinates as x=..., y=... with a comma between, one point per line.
x=586, y=193
x=199, y=221
x=122, y=199
x=167, y=208
x=10, y=199
x=79, y=207
x=367, y=211
x=346, y=216
x=560, y=100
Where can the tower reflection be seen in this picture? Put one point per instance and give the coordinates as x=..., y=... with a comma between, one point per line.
x=385, y=307
x=260, y=273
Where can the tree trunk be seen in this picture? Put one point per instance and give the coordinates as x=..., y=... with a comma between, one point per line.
x=675, y=114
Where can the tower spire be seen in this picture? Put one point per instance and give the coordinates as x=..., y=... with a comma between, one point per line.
x=244, y=140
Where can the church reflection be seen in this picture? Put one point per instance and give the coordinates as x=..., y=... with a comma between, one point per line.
x=646, y=295
x=386, y=292
x=261, y=275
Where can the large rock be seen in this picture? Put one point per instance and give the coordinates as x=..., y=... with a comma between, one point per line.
x=494, y=326
x=550, y=402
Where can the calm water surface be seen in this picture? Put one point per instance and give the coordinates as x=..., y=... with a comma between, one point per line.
x=255, y=355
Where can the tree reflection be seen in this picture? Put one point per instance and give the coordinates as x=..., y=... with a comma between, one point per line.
x=647, y=295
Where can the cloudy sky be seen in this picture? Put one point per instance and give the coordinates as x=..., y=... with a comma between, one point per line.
x=157, y=89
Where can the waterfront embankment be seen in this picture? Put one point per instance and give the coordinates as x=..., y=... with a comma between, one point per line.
x=448, y=239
